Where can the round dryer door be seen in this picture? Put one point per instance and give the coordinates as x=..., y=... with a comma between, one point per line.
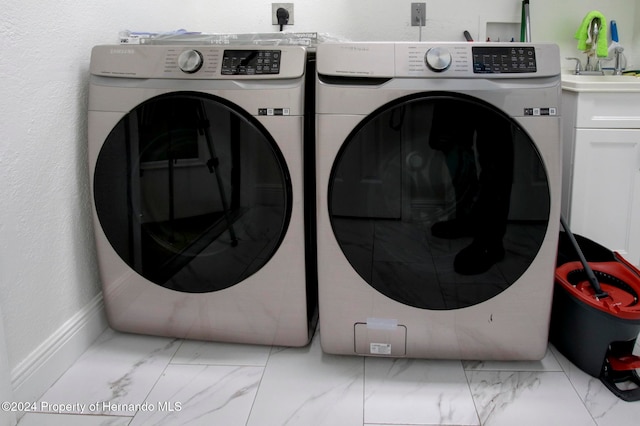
x=439, y=201
x=192, y=192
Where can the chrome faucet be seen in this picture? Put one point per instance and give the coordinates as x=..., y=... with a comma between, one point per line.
x=618, y=67
x=590, y=66
x=579, y=70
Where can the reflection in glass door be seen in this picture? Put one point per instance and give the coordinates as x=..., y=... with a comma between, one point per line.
x=192, y=193
x=439, y=201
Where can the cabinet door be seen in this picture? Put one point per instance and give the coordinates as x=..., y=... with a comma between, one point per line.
x=605, y=205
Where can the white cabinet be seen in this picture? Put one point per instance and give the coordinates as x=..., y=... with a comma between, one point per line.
x=601, y=168
x=605, y=203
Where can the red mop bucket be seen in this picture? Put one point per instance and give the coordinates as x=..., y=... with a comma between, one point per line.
x=595, y=319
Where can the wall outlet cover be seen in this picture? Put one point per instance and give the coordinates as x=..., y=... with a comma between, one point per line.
x=418, y=14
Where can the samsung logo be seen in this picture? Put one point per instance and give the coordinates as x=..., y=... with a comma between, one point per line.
x=355, y=48
x=115, y=51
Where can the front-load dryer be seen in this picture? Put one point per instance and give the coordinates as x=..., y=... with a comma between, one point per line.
x=438, y=176
x=196, y=164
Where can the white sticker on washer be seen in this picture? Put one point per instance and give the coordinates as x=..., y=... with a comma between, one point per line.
x=380, y=348
x=382, y=323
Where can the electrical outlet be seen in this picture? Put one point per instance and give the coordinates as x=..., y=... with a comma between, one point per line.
x=418, y=14
x=274, y=9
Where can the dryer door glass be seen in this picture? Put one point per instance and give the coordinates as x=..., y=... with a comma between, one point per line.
x=439, y=201
x=192, y=193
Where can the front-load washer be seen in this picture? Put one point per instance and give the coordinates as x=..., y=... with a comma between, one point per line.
x=196, y=164
x=438, y=176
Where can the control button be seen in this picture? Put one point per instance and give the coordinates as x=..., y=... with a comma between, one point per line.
x=438, y=59
x=190, y=61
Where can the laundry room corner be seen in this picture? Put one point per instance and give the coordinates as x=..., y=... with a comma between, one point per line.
x=49, y=289
x=50, y=292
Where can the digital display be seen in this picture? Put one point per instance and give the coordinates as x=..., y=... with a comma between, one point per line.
x=251, y=62
x=503, y=60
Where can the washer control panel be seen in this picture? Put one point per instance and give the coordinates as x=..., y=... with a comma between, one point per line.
x=198, y=62
x=494, y=59
x=251, y=62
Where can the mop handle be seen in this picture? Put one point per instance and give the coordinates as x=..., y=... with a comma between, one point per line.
x=587, y=268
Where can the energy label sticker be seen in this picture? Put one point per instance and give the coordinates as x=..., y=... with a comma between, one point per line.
x=380, y=349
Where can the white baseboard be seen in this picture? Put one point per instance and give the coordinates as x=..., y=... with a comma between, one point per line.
x=40, y=370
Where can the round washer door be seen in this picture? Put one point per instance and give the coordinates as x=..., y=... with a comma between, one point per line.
x=192, y=192
x=439, y=201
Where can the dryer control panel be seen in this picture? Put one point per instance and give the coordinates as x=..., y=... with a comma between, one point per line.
x=477, y=60
x=439, y=60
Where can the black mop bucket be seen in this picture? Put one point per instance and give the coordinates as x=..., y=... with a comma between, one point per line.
x=595, y=319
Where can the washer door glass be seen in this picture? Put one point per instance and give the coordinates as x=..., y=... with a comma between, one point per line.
x=192, y=192
x=439, y=201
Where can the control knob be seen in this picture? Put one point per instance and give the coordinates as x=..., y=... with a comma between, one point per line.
x=190, y=61
x=438, y=59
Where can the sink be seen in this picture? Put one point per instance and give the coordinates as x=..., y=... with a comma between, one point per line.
x=600, y=83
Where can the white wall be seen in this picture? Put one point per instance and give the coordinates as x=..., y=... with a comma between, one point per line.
x=6, y=391
x=47, y=260
x=636, y=37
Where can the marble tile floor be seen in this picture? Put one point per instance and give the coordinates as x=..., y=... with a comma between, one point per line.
x=126, y=379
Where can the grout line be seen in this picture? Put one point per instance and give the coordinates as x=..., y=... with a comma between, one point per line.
x=364, y=389
x=255, y=396
x=573, y=386
x=473, y=399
